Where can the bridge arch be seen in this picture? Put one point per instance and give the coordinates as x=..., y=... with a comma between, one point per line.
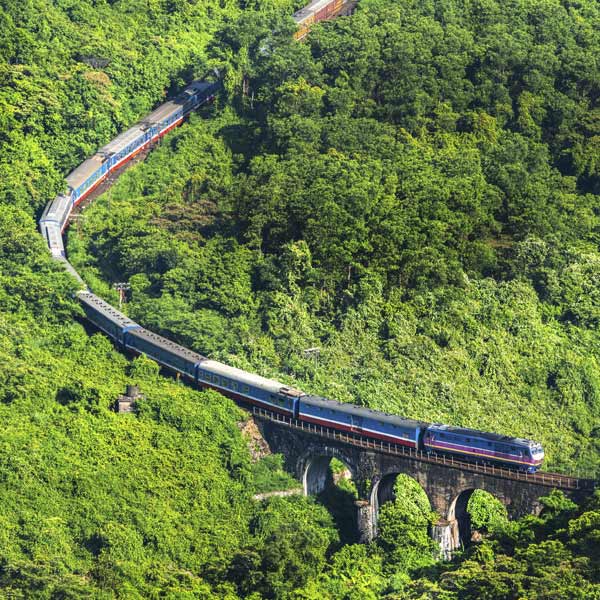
x=459, y=513
x=382, y=491
x=313, y=468
x=308, y=455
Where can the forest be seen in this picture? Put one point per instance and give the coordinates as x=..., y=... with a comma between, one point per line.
x=413, y=190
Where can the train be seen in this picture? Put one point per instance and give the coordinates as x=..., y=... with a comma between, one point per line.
x=240, y=385
x=317, y=10
x=93, y=171
x=269, y=394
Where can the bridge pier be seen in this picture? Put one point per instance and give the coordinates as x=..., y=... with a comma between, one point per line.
x=365, y=521
x=446, y=534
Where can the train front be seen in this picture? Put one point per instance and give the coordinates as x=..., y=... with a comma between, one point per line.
x=537, y=455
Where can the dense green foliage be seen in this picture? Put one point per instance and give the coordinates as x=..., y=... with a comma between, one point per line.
x=551, y=556
x=554, y=555
x=403, y=528
x=96, y=504
x=486, y=513
x=414, y=190
x=76, y=72
x=99, y=504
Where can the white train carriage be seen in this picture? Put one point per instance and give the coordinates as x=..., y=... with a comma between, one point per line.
x=248, y=387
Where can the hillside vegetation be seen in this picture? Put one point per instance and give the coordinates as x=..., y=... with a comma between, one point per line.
x=414, y=190
x=96, y=504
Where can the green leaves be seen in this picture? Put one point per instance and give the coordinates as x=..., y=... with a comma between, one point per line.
x=486, y=512
x=412, y=191
x=403, y=528
x=290, y=539
x=540, y=558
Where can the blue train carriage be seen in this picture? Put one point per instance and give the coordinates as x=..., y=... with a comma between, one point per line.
x=363, y=421
x=168, y=115
x=58, y=211
x=93, y=171
x=86, y=177
x=114, y=323
x=163, y=351
x=126, y=145
x=247, y=387
x=516, y=453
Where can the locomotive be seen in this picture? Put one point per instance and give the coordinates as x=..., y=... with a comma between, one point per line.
x=467, y=444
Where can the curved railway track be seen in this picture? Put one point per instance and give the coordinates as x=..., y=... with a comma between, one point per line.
x=97, y=174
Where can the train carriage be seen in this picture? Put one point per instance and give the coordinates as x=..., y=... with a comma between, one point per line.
x=124, y=147
x=91, y=172
x=105, y=317
x=318, y=10
x=472, y=444
x=359, y=420
x=247, y=387
x=164, y=351
x=86, y=177
x=171, y=113
x=304, y=19
x=57, y=211
x=53, y=236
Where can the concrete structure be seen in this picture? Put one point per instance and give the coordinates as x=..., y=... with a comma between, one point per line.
x=126, y=403
x=448, y=486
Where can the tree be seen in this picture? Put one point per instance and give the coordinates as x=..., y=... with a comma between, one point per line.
x=403, y=527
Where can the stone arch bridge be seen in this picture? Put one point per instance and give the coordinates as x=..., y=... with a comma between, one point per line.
x=447, y=482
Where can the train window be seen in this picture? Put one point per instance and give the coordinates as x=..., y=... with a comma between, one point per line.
x=246, y=389
x=468, y=440
x=234, y=386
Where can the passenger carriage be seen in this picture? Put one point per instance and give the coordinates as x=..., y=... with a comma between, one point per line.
x=360, y=420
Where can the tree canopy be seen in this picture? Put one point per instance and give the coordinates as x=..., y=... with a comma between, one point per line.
x=413, y=190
